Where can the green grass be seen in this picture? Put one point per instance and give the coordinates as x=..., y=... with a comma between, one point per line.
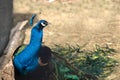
x=97, y=62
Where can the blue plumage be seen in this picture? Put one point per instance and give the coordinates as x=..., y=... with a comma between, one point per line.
x=31, y=19
x=27, y=60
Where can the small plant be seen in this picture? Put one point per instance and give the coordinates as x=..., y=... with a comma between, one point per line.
x=97, y=62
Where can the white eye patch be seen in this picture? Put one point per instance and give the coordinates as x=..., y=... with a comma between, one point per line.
x=43, y=24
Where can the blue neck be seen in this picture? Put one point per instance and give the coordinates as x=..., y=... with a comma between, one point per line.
x=36, y=36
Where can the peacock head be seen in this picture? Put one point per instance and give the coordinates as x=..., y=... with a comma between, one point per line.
x=42, y=24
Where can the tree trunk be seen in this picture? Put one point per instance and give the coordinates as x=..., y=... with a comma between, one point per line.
x=6, y=13
x=16, y=39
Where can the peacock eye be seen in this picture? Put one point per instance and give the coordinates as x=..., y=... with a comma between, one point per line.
x=46, y=23
x=43, y=24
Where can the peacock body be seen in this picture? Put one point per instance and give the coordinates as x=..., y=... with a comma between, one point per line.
x=27, y=59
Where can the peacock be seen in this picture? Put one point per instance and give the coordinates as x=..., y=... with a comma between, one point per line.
x=27, y=59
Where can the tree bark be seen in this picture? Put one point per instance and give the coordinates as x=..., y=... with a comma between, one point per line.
x=16, y=39
x=6, y=22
